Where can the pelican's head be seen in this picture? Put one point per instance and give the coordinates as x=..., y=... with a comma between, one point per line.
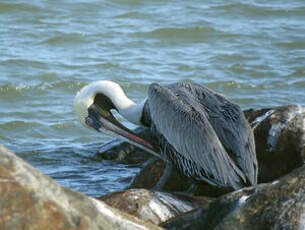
x=96, y=98
x=94, y=104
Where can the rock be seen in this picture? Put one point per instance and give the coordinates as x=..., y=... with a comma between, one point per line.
x=277, y=205
x=149, y=175
x=153, y=206
x=124, y=152
x=31, y=200
x=152, y=171
x=280, y=140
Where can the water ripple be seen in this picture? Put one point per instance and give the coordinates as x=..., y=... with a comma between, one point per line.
x=7, y=7
x=291, y=45
x=193, y=34
x=262, y=10
x=23, y=63
x=41, y=86
x=71, y=39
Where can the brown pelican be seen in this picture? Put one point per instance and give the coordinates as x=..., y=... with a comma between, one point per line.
x=200, y=131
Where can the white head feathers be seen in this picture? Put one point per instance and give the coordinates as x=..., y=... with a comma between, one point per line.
x=126, y=107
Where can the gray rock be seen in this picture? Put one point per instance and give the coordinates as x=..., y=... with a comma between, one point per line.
x=153, y=206
x=276, y=205
x=152, y=171
x=280, y=140
x=124, y=152
x=31, y=200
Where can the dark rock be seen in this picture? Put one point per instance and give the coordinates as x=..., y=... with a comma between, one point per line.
x=149, y=175
x=277, y=205
x=31, y=200
x=152, y=171
x=153, y=206
x=124, y=152
x=280, y=139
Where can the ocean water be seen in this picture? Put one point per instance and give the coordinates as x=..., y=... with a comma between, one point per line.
x=252, y=51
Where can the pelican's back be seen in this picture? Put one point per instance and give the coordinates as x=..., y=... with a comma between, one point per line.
x=190, y=138
x=231, y=127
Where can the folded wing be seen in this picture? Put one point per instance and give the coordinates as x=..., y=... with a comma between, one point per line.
x=189, y=138
x=231, y=127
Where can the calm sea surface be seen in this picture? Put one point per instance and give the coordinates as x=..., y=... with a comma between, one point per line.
x=253, y=51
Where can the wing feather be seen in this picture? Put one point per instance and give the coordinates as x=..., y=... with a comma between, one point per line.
x=230, y=125
x=191, y=140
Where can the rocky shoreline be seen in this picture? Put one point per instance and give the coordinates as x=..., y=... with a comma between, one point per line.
x=31, y=200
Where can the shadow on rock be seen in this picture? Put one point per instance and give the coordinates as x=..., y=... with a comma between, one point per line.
x=280, y=139
x=277, y=205
x=153, y=206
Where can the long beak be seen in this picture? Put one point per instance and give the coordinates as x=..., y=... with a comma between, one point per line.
x=104, y=121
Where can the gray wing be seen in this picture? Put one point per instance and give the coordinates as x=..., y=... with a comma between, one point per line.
x=179, y=119
x=230, y=125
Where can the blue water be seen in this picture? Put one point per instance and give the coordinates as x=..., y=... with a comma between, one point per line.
x=251, y=51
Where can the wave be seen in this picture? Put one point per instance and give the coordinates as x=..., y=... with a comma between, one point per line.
x=299, y=72
x=65, y=38
x=18, y=125
x=259, y=10
x=7, y=7
x=22, y=87
x=234, y=85
x=133, y=14
x=19, y=62
x=191, y=33
x=291, y=45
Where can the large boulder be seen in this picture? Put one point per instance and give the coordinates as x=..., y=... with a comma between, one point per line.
x=280, y=139
x=31, y=200
x=153, y=206
x=276, y=205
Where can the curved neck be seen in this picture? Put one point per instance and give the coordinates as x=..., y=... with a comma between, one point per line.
x=130, y=110
x=125, y=106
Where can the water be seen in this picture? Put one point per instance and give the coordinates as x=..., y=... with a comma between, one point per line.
x=253, y=51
